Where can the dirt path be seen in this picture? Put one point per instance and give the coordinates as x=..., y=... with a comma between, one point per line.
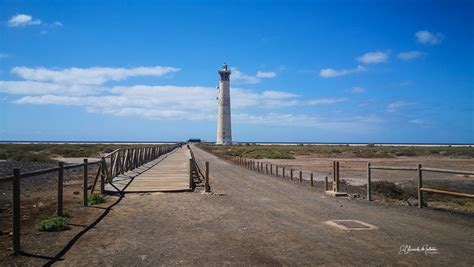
x=258, y=219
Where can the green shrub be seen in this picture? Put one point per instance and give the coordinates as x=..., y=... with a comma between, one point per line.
x=52, y=224
x=30, y=156
x=95, y=198
x=393, y=191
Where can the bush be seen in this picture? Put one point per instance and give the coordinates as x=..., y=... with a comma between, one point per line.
x=52, y=224
x=30, y=156
x=95, y=198
x=391, y=190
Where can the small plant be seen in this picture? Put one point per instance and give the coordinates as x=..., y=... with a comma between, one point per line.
x=52, y=224
x=95, y=198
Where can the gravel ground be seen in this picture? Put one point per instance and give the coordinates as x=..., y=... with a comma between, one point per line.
x=253, y=219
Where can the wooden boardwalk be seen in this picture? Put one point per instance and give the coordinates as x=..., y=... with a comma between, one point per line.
x=168, y=173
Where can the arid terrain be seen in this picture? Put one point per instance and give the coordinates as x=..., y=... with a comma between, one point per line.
x=252, y=219
x=317, y=159
x=112, y=232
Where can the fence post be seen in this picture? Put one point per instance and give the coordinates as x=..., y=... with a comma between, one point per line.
x=266, y=168
x=311, y=179
x=291, y=174
x=301, y=177
x=102, y=176
x=283, y=172
x=271, y=169
x=369, y=193
x=84, y=183
x=335, y=183
x=59, y=211
x=420, y=185
x=191, y=173
x=208, y=188
x=326, y=186
x=16, y=227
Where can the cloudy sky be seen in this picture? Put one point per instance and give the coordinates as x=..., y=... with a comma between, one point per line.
x=328, y=71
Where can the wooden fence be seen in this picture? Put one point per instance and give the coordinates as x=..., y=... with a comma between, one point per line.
x=194, y=171
x=109, y=166
x=271, y=169
x=419, y=175
x=281, y=171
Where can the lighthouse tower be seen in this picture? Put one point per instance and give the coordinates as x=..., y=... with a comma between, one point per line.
x=224, y=132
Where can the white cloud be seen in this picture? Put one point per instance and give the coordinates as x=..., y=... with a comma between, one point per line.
x=85, y=88
x=426, y=37
x=356, y=90
x=278, y=94
x=351, y=123
x=41, y=88
x=261, y=74
x=373, y=57
x=395, y=106
x=21, y=20
x=3, y=55
x=330, y=73
x=324, y=101
x=56, y=24
x=409, y=55
x=185, y=101
x=240, y=77
x=93, y=75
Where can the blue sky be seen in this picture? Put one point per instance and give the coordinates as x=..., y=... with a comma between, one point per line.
x=314, y=71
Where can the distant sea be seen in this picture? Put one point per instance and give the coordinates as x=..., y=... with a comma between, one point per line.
x=237, y=143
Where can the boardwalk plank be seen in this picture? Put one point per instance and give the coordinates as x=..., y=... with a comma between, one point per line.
x=167, y=173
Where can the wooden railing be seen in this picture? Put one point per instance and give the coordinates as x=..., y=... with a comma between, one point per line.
x=279, y=171
x=111, y=165
x=420, y=189
x=195, y=172
x=282, y=171
x=123, y=160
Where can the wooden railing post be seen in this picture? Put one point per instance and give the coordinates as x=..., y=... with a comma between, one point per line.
x=109, y=174
x=301, y=176
x=335, y=173
x=190, y=173
x=291, y=174
x=84, y=183
x=102, y=176
x=369, y=193
x=207, y=186
x=420, y=185
x=283, y=172
x=326, y=185
x=311, y=180
x=16, y=227
x=59, y=211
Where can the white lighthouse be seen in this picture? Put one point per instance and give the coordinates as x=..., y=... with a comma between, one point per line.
x=224, y=132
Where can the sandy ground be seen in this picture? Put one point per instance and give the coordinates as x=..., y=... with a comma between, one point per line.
x=38, y=197
x=254, y=219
